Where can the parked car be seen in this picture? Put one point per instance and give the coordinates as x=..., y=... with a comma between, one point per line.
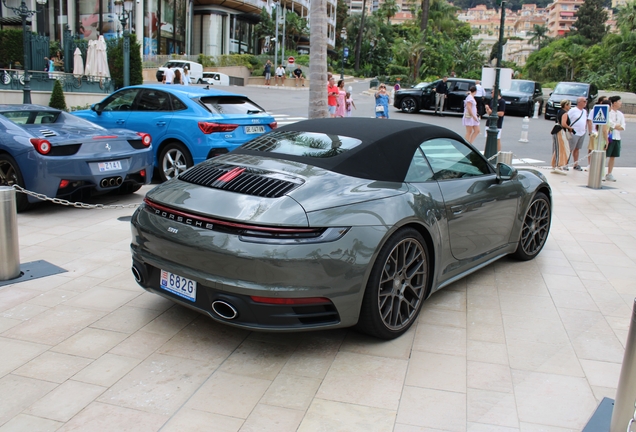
x=326, y=224
x=195, y=70
x=187, y=124
x=571, y=91
x=54, y=153
x=520, y=97
x=415, y=99
x=216, y=78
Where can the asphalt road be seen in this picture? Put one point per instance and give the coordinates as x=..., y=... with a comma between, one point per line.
x=292, y=105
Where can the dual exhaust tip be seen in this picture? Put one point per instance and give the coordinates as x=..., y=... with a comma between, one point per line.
x=111, y=182
x=222, y=308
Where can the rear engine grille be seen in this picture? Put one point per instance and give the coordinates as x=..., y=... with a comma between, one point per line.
x=241, y=180
x=47, y=133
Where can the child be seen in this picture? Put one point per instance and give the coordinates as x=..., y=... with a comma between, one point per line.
x=349, y=104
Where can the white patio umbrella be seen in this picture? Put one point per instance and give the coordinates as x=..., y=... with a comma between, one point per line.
x=78, y=63
x=101, y=61
x=91, y=67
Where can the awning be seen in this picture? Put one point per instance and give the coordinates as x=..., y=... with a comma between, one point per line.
x=12, y=20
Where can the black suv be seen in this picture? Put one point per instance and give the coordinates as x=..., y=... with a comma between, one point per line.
x=521, y=97
x=416, y=99
x=571, y=91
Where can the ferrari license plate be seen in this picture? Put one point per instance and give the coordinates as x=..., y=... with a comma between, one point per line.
x=254, y=129
x=109, y=166
x=183, y=287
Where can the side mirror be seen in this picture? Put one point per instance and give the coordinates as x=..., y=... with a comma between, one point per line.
x=97, y=108
x=506, y=172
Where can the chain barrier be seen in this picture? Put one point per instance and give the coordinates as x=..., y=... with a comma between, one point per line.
x=71, y=203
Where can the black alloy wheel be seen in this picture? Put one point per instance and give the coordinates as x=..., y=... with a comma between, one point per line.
x=535, y=229
x=10, y=175
x=397, y=286
x=408, y=105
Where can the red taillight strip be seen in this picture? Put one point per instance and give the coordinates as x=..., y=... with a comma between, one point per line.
x=231, y=175
x=105, y=137
x=291, y=301
x=155, y=206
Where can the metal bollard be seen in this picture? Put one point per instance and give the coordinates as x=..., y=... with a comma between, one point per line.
x=597, y=166
x=626, y=391
x=9, y=252
x=524, y=129
x=504, y=157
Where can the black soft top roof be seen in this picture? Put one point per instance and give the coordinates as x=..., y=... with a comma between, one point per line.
x=386, y=151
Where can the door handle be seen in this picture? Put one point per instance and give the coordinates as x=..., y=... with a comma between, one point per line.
x=161, y=123
x=120, y=121
x=457, y=209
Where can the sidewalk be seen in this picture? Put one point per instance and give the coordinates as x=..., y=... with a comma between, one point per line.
x=519, y=346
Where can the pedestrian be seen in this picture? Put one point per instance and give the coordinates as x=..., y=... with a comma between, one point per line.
x=168, y=75
x=341, y=107
x=177, y=77
x=186, y=76
x=382, y=103
x=280, y=74
x=298, y=75
x=479, y=98
x=560, y=144
x=594, y=131
x=268, y=72
x=349, y=104
x=50, y=66
x=441, y=90
x=470, y=118
x=332, y=96
x=616, y=125
x=501, y=111
x=578, y=121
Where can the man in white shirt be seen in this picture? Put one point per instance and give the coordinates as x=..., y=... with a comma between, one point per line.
x=578, y=122
x=280, y=75
x=616, y=124
x=168, y=75
x=479, y=98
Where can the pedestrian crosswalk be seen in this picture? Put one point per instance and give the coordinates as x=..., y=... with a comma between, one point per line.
x=285, y=119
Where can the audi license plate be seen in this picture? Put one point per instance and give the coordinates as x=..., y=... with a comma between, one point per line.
x=254, y=129
x=183, y=287
x=109, y=166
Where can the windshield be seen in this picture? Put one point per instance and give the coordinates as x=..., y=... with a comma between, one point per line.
x=571, y=89
x=309, y=144
x=522, y=87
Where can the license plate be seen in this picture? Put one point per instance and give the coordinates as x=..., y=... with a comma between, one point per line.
x=254, y=129
x=109, y=166
x=183, y=287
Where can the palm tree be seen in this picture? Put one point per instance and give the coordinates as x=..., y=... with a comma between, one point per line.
x=412, y=51
x=388, y=9
x=573, y=59
x=627, y=17
x=539, y=33
x=318, y=59
x=359, y=39
x=442, y=15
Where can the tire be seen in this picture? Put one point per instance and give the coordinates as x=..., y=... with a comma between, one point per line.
x=397, y=286
x=9, y=175
x=409, y=105
x=530, y=110
x=535, y=229
x=174, y=159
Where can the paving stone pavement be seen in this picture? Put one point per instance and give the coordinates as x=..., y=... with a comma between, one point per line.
x=527, y=347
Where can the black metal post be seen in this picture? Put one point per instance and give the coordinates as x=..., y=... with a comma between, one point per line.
x=126, y=58
x=491, y=140
x=343, y=61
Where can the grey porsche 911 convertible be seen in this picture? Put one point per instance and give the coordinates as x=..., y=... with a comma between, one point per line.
x=333, y=223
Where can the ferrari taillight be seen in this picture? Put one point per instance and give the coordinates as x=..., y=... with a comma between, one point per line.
x=41, y=145
x=208, y=127
x=146, y=139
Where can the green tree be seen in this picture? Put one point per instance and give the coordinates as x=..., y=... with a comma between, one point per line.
x=295, y=27
x=539, y=34
x=57, y=97
x=115, y=54
x=627, y=17
x=590, y=21
x=265, y=30
x=388, y=9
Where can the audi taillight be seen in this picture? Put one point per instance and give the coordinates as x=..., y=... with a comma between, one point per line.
x=146, y=139
x=41, y=145
x=209, y=127
x=273, y=125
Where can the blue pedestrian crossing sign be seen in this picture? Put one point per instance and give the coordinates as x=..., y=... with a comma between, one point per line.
x=600, y=114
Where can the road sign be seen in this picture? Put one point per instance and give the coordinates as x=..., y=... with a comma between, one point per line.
x=346, y=52
x=291, y=60
x=600, y=114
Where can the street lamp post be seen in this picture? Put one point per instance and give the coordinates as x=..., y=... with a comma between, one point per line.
x=343, y=36
x=491, y=139
x=123, y=9
x=24, y=12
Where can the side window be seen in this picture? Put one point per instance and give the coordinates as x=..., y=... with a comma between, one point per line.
x=452, y=159
x=461, y=86
x=154, y=100
x=121, y=101
x=419, y=170
x=177, y=105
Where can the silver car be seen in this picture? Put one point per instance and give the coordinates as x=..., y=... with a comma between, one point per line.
x=333, y=223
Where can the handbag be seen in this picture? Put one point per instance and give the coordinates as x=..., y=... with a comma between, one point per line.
x=568, y=135
x=556, y=129
x=379, y=108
